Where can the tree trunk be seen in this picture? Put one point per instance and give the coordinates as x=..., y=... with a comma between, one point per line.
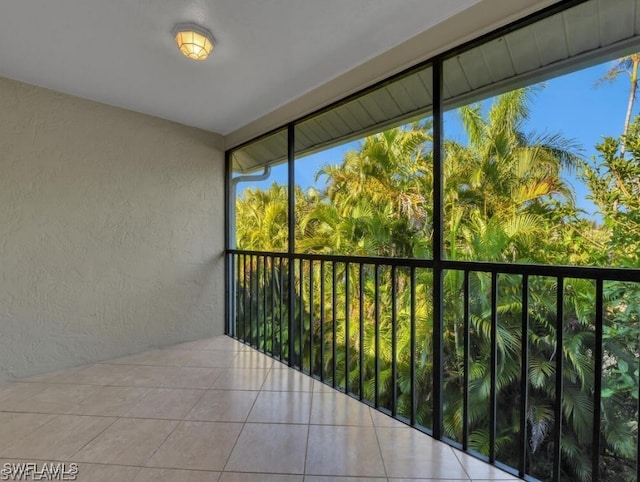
x=635, y=58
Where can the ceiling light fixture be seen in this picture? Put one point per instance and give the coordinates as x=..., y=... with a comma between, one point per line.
x=194, y=41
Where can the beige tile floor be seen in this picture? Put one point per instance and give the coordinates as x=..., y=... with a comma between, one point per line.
x=213, y=410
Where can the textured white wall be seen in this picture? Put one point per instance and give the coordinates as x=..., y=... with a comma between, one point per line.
x=111, y=231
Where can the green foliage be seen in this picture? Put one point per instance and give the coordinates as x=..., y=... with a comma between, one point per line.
x=614, y=183
x=504, y=200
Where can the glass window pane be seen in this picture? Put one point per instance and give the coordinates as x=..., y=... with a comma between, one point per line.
x=535, y=167
x=259, y=194
x=364, y=174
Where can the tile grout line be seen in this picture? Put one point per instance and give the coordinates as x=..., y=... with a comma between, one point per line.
x=117, y=418
x=174, y=428
x=95, y=436
x=54, y=416
x=138, y=417
x=455, y=454
x=161, y=444
x=375, y=431
x=132, y=478
x=106, y=464
x=306, y=448
x=244, y=423
x=138, y=402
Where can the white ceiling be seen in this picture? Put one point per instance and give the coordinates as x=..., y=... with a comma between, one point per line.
x=268, y=52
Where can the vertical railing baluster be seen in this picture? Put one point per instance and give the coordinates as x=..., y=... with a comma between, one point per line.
x=264, y=304
x=249, y=299
x=438, y=353
x=394, y=342
x=273, y=307
x=291, y=322
x=493, y=367
x=334, y=301
x=291, y=238
x=244, y=298
x=361, y=332
x=301, y=315
x=412, y=366
x=347, y=339
x=281, y=308
x=311, y=316
x=250, y=280
x=524, y=379
x=322, y=318
x=597, y=386
x=377, y=335
x=239, y=300
x=258, y=298
x=238, y=297
x=230, y=297
x=255, y=298
x=557, y=433
x=466, y=362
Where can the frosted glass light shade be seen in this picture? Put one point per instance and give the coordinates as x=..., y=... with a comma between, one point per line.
x=193, y=41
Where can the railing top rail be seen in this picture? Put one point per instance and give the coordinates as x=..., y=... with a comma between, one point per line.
x=587, y=272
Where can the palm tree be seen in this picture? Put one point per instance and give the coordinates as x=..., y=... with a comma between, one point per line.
x=628, y=65
x=377, y=201
x=262, y=219
x=502, y=187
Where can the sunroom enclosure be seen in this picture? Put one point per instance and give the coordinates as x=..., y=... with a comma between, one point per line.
x=434, y=247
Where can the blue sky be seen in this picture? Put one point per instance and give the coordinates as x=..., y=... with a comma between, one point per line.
x=573, y=106
x=569, y=105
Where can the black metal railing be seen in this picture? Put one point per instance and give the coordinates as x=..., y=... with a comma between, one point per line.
x=533, y=365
